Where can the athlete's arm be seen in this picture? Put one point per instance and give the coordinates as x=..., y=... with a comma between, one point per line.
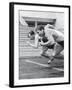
x=35, y=45
x=50, y=38
x=46, y=43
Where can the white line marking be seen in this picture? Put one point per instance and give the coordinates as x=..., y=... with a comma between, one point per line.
x=59, y=69
x=44, y=65
x=28, y=74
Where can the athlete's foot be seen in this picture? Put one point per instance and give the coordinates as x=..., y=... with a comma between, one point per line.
x=50, y=60
x=45, y=55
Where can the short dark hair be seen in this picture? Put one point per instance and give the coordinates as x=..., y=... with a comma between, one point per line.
x=31, y=33
x=41, y=28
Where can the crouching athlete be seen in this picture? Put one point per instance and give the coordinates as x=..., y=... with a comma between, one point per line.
x=55, y=38
x=38, y=40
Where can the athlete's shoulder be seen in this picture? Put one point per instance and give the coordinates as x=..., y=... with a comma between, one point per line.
x=48, y=30
x=36, y=36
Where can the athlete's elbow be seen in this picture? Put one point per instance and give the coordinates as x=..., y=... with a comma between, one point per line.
x=36, y=47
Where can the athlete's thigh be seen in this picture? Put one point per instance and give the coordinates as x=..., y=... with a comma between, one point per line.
x=57, y=49
x=44, y=48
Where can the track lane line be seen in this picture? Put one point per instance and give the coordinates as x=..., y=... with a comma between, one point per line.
x=44, y=65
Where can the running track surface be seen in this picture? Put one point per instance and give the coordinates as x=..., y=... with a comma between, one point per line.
x=37, y=67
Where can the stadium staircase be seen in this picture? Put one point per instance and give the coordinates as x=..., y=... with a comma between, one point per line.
x=24, y=48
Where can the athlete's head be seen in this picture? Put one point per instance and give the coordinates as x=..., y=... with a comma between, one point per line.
x=41, y=31
x=49, y=26
x=31, y=35
x=44, y=39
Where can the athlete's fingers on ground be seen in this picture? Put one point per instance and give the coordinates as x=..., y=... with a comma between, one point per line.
x=27, y=42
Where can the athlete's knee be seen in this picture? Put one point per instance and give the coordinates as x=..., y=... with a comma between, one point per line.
x=54, y=54
x=42, y=53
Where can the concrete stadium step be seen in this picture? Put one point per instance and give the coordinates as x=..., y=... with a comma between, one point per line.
x=24, y=48
x=28, y=48
x=22, y=54
x=23, y=36
x=24, y=31
x=25, y=27
x=24, y=40
x=30, y=51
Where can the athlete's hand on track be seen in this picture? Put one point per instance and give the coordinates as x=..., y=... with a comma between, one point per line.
x=28, y=42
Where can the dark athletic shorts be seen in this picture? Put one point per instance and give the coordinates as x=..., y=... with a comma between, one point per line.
x=45, y=48
x=61, y=43
x=51, y=46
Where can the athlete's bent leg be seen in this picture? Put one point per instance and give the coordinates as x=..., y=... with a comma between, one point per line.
x=44, y=51
x=57, y=49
